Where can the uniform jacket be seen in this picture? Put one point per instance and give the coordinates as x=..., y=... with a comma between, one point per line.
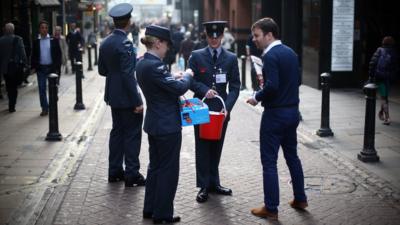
x=204, y=70
x=117, y=61
x=281, y=78
x=55, y=54
x=162, y=93
x=6, y=44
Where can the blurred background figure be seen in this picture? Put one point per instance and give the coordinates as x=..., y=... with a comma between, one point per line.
x=186, y=48
x=383, y=69
x=228, y=40
x=64, y=52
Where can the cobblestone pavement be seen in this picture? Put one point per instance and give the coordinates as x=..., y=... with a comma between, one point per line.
x=338, y=194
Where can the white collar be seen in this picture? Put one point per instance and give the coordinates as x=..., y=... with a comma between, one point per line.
x=273, y=44
x=47, y=36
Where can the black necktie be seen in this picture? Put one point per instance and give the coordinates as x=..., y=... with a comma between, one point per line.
x=215, y=55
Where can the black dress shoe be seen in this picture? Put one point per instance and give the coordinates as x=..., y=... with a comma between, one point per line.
x=174, y=219
x=221, y=190
x=147, y=215
x=117, y=178
x=202, y=196
x=137, y=181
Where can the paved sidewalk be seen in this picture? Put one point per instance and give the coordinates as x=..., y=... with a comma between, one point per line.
x=31, y=166
x=340, y=190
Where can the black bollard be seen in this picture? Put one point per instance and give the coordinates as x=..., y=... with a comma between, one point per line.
x=78, y=78
x=368, y=153
x=89, y=48
x=243, y=58
x=325, y=130
x=95, y=53
x=53, y=134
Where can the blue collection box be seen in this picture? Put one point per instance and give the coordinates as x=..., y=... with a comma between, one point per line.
x=194, y=112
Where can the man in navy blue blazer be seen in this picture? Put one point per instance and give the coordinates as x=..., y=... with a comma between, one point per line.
x=215, y=73
x=117, y=61
x=280, y=99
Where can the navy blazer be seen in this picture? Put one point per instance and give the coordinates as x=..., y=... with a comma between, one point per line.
x=204, y=70
x=162, y=93
x=55, y=50
x=117, y=61
x=281, y=78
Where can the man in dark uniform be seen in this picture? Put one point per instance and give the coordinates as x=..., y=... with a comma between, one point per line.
x=117, y=61
x=280, y=99
x=215, y=70
x=162, y=124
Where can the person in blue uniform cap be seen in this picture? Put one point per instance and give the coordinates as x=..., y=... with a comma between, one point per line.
x=215, y=73
x=117, y=61
x=280, y=98
x=162, y=124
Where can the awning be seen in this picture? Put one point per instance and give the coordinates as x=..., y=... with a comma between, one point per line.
x=46, y=3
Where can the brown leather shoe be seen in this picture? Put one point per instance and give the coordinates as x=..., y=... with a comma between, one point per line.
x=298, y=205
x=264, y=213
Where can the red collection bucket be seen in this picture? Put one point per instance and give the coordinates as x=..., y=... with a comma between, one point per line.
x=213, y=129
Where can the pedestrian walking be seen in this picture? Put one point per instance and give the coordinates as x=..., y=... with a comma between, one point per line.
x=252, y=50
x=280, y=99
x=228, y=40
x=186, y=48
x=214, y=69
x=201, y=42
x=45, y=58
x=64, y=52
x=162, y=124
x=383, y=69
x=12, y=63
x=75, y=42
x=117, y=62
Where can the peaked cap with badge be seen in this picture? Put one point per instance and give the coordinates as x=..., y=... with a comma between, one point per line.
x=121, y=11
x=215, y=28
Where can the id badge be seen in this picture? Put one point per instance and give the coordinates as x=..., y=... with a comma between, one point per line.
x=220, y=78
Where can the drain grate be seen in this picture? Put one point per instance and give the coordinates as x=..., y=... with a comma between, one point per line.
x=328, y=185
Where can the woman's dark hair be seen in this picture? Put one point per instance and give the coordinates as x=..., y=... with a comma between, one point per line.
x=267, y=25
x=148, y=41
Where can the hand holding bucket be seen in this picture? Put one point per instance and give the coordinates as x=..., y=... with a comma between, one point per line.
x=213, y=130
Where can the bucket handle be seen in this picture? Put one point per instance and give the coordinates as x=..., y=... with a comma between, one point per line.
x=223, y=103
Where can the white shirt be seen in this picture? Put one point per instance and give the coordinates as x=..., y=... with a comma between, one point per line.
x=45, y=51
x=273, y=44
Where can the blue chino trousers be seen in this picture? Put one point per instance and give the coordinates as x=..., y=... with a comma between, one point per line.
x=278, y=129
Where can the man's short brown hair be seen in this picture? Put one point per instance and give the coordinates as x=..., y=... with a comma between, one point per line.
x=267, y=25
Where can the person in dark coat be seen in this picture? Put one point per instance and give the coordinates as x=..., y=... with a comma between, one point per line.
x=45, y=59
x=117, y=62
x=162, y=124
x=75, y=41
x=383, y=68
x=215, y=70
x=280, y=99
x=186, y=48
x=13, y=50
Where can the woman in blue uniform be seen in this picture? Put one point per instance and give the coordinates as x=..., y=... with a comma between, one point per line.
x=162, y=124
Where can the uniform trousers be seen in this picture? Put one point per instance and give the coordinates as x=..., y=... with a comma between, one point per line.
x=208, y=155
x=278, y=129
x=125, y=142
x=162, y=175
